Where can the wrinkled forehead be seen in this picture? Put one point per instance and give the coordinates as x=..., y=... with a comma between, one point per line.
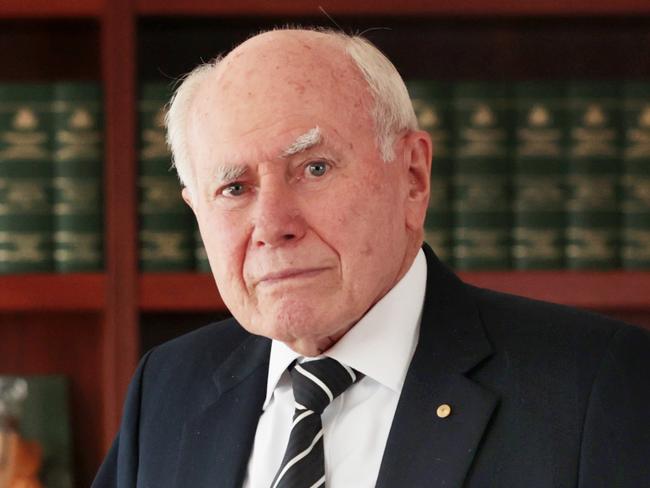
x=275, y=75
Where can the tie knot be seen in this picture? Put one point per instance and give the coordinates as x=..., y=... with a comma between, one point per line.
x=316, y=383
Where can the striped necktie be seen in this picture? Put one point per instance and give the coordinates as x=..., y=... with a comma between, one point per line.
x=315, y=385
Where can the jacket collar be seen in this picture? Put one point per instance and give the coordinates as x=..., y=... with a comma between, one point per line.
x=423, y=448
x=216, y=444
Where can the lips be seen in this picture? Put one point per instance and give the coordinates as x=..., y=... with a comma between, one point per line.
x=289, y=275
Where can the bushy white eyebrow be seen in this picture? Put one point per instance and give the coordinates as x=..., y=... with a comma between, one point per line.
x=309, y=139
x=223, y=173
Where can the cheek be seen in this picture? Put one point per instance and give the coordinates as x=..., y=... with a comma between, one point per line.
x=352, y=229
x=225, y=242
x=368, y=228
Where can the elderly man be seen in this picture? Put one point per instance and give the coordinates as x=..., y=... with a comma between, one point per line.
x=355, y=359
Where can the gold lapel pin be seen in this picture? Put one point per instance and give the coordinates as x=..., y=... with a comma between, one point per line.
x=443, y=411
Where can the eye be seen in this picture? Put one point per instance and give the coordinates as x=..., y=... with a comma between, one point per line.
x=234, y=190
x=316, y=168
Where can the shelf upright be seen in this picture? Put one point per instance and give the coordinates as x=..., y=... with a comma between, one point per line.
x=120, y=338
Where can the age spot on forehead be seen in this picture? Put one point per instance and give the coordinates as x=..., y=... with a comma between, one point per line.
x=300, y=87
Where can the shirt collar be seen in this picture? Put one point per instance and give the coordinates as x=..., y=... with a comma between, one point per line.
x=381, y=344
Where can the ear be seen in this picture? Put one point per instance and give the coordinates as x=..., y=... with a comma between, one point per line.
x=417, y=161
x=187, y=196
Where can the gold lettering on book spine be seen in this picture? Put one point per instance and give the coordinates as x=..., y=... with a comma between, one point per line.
x=538, y=139
x=160, y=194
x=76, y=196
x=590, y=243
x=77, y=246
x=478, y=243
x=22, y=247
x=537, y=243
x=25, y=140
x=162, y=245
x=24, y=196
x=154, y=145
x=636, y=244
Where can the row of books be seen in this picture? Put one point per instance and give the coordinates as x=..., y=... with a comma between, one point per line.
x=538, y=175
x=50, y=177
x=530, y=175
x=168, y=236
x=51, y=181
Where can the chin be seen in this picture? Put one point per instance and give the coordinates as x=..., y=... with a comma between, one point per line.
x=297, y=324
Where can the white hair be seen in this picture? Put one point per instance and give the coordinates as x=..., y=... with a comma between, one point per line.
x=392, y=112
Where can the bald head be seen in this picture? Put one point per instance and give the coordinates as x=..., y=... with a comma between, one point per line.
x=309, y=69
x=276, y=66
x=302, y=49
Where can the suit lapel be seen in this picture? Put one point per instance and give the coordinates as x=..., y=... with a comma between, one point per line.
x=217, y=442
x=424, y=449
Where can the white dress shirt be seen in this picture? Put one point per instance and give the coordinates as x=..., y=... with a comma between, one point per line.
x=356, y=424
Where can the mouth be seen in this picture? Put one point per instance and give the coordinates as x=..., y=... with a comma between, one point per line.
x=289, y=275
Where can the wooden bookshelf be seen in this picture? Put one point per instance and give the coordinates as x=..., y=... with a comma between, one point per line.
x=197, y=292
x=49, y=9
x=608, y=290
x=51, y=292
x=89, y=326
x=486, y=8
x=175, y=292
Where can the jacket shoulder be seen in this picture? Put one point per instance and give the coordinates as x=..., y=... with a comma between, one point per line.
x=214, y=341
x=183, y=367
x=544, y=323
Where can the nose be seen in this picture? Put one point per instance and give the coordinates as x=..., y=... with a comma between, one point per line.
x=278, y=219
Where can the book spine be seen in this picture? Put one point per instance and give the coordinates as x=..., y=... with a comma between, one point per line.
x=592, y=232
x=539, y=164
x=635, y=192
x=481, y=175
x=166, y=227
x=432, y=104
x=25, y=178
x=78, y=155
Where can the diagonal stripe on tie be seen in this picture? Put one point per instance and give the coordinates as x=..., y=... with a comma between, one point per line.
x=315, y=385
x=298, y=457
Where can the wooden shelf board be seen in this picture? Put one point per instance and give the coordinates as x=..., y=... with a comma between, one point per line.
x=47, y=9
x=607, y=290
x=70, y=292
x=191, y=292
x=487, y=8
x=615, y=290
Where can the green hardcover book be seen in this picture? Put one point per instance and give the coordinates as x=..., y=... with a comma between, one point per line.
x=200, y=256
x=25, y=178
x=43, y=417
x=635, y=194
x=432, y=105
x=78, y=156
x=592, y=232
x=166, y=224
x=481, y=175
x=539, y=164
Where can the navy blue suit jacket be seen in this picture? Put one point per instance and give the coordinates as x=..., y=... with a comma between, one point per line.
x=541, y=396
